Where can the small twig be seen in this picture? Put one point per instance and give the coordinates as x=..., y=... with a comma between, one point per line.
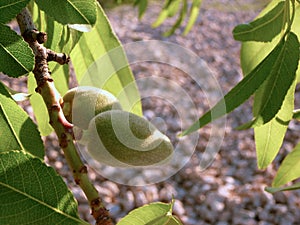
x=53, y=101
x=60, y=58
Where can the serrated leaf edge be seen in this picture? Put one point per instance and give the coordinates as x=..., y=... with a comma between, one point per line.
x=31, y=197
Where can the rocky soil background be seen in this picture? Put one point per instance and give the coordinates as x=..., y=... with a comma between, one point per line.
x=231, y=190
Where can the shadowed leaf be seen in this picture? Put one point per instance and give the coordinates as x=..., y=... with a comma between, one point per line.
x=70, y=11
x=32, y=193
x=16, y=57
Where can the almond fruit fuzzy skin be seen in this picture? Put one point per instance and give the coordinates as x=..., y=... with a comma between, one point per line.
x=122, y=139
x=82, y=104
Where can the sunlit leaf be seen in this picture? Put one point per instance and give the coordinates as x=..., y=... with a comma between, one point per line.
x=81, y=27
x=268, y=137
x=241, y=92
x=60, y=38
x=173, y=7
x=284, y=188
x=289, y=169
x=195, y=9
x=282, y=75
x=180, y=19
x=170, y=8
x=99, y=60
x=39, y=108
x=154, y=213
x=17, y=130
x=252, y=53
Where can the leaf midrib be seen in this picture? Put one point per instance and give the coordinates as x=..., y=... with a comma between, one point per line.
x=266, y=144
x=262, y=25
x=107, y=50
x=296, y=165
x=11, y=127
x=40, y=202
x=14, y=3
x=82, y=15
x=9, y=53
x=281, y=62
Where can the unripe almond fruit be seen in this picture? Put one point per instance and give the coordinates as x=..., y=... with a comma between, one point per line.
x=122, y=139
x=82, y=104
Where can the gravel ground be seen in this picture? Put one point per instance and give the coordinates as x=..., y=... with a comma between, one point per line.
x=231, y=190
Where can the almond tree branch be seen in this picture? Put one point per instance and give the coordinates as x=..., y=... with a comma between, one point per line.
x=54, y=102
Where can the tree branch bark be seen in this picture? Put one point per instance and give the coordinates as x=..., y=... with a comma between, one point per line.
x=54, y=102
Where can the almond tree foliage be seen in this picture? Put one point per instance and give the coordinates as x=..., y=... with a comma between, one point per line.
x=31, y=191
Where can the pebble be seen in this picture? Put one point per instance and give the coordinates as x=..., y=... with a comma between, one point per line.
x=140, y=198
x=151, y=193
x=264, y=223
x=204, y=213
x=222, y=223
x=167, y=193
x=112, y=187
x=114, y=210
x=215, y=202
x=127, y=201
x=178, y=208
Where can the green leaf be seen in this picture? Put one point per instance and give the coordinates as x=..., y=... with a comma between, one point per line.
x=252, y=53
x=17, y=96
x=264, y=28
x=70, y=11
x=169, y=9
x=16, y=57
x=289, y=169
x=58, y=41
x=153, y=214
x=174, y=7
x=17, y=131
x=47, y=24
x=180, y=19
x=142, y=4
x=100, y=56
x=193, y=16
x=241, y=92
x=296, y=114
x=282, y=75
x=269, y=137
x=39, y=108
x=60, y=38
x=32, y=193
x=61, y=78
x=10, y=8
x=273, y=190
